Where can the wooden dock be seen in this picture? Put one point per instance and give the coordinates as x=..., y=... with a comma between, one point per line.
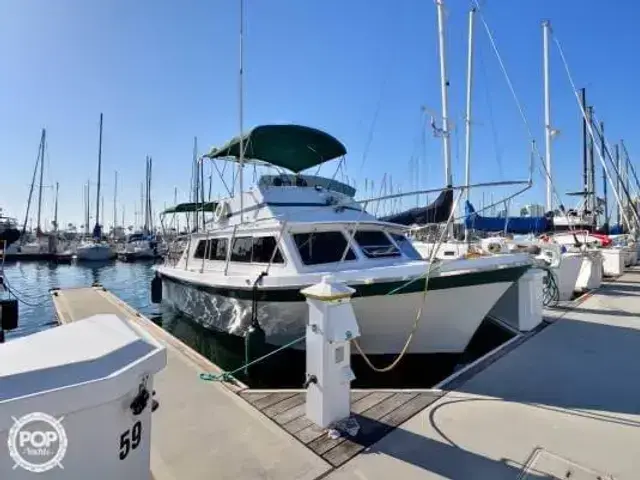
x=377, y=412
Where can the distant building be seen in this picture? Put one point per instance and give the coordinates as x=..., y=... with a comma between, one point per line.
x=533, y=210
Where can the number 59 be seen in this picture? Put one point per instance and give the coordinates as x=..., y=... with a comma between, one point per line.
x=130, y=440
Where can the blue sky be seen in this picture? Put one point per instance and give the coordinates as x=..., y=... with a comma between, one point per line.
x=164, y=71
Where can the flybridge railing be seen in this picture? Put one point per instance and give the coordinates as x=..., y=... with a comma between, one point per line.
x=303, y=212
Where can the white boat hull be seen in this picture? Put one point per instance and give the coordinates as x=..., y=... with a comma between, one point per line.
x=448, y=321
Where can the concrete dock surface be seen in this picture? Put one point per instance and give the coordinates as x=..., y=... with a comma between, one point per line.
x=202, y=430
x=564, y=404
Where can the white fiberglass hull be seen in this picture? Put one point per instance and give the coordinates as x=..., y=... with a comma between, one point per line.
x=449, y=318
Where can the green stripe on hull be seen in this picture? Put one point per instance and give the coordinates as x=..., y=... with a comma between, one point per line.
x=509, y=274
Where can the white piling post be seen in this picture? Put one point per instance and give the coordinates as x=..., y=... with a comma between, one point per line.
x=332, y=325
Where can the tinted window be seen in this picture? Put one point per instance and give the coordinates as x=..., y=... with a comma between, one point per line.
x=322, y=247
x=217, y=249
x=241, y=250
x=406, y=246
x=200, y=249
x=376, y=244
x=263, y=248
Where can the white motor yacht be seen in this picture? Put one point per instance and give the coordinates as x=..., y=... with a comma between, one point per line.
x=265, y=246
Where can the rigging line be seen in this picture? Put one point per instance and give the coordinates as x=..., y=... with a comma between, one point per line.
x=376, y=114
x=494, y=130
x=520, y=109
x=591, y=133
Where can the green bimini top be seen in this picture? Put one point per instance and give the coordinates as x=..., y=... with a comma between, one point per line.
x=293, y=147
x=191, y=207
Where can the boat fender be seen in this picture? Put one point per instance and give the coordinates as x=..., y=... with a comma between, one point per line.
x=221, y=212
x=156, y=290
x=9, y=314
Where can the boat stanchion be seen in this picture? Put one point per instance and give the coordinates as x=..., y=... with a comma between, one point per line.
x=332, y=325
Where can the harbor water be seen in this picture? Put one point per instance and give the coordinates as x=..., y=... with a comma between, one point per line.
x=32, y=282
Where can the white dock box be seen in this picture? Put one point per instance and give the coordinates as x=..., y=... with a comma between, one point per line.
x=76, y=400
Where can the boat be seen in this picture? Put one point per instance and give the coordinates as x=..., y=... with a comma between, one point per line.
x=95, y=249
x=246, y=270
x=140, y=247
x=9, y=232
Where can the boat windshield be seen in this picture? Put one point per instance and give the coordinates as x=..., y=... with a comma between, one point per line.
x=406, y=246
x=376, y=244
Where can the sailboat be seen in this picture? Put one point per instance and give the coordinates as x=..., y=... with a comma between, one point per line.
x=245, y=271
x=96, y=249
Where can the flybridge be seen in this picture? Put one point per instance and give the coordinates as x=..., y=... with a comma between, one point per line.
x=291, y=147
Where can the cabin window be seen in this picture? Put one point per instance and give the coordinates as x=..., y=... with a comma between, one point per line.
x=322, y=247
x=375, y=244
x=200, y=249
x=217, y=249
x=406, y=246
x=241, y=250
x=263, y=248
x=257, y=250
x=214, y=249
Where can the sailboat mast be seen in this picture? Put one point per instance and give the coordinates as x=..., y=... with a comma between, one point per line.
x=149, y=206
x=42, y=143
x=115, y=200
x=585, y=148
x=99, y=173
x=592, y=174
x=617, y=190
x=467, y=152
x=194, y=181
x=241, y=108
x=547, y=114
x=88, y=205
x=55, y=210
x=444, y=86
x=604, y=183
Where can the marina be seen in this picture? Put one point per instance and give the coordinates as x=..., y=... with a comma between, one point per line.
x=410, y=431
x=290, y=301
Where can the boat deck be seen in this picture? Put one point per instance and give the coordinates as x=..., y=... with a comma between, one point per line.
x=562, y=402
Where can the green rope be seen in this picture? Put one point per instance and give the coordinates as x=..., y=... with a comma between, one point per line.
x=229, y=376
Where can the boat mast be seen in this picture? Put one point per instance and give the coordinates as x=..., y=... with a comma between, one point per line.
x=97, y=231
x=592, y=175
x=547, y=114
x=88, y=206
x=55, y=211
x=467, y=153
x=42, y=143
x=585, y=147
x=149, y=206
x=617, y=192
x=195, y=176
x=115, y=208
x=444, y=86
x=604, y=183
x=241, y=107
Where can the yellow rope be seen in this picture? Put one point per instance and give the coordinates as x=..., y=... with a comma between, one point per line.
x=416, y=323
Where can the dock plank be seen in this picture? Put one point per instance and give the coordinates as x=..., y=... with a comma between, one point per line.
x=272, y=399
x=370, y=431
x=325, y=443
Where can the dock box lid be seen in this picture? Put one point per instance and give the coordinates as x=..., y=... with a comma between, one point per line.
x=84, y=351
